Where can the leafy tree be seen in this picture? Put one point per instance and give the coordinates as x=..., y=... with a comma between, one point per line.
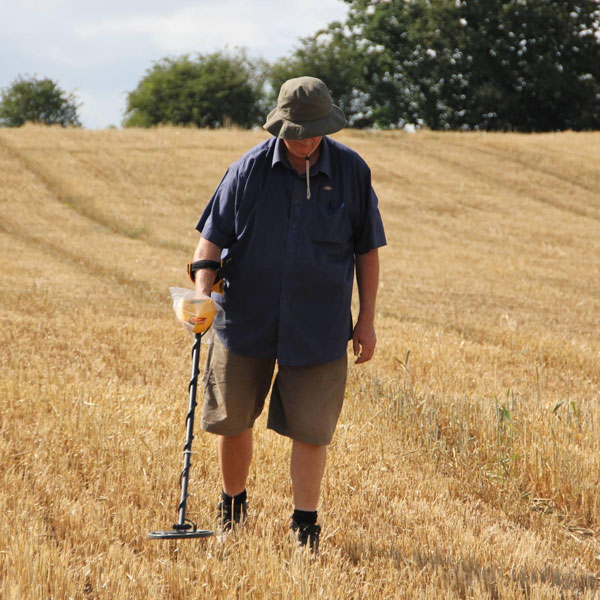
x=38, y=101
x=403, y=82
x=526, y=65
x=211, y=91
x=337, y=59
x=534, y=66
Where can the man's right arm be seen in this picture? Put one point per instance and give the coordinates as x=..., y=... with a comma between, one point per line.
x=205, y=278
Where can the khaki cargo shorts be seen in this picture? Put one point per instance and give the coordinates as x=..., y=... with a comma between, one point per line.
x=305, y=402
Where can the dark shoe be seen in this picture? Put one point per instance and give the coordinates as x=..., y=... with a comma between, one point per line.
x=307, y=534
x=231, y=514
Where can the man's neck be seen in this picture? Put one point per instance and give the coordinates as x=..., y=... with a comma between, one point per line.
x=299, y=162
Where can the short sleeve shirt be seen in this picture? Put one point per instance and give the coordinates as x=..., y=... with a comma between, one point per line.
x=289, y=260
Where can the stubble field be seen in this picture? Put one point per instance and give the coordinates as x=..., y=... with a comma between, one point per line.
x=467, y=459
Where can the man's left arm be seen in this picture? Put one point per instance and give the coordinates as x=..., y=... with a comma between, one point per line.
x=367, y=278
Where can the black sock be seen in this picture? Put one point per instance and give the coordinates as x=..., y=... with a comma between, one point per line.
x=237, y=500
x=305, y=517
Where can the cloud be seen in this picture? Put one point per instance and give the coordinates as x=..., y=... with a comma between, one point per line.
x=100, y=49
x=182, y=31
x=261, y=27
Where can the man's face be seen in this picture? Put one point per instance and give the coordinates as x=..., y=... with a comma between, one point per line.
x=303, y=148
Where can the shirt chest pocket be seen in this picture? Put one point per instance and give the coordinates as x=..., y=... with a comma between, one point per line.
x=331, y=230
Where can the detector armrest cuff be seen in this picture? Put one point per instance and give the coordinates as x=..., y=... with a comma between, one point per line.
x=192, y=267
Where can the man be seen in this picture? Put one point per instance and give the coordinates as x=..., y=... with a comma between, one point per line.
x=288, y=221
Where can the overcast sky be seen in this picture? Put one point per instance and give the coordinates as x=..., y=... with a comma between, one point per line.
x=101, y=49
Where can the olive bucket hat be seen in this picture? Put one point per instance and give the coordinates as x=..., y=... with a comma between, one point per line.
x=304, y=109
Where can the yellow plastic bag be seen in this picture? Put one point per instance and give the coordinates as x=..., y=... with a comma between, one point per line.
x=196, y=314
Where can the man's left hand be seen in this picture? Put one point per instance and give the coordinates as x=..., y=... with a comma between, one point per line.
x=364, y=341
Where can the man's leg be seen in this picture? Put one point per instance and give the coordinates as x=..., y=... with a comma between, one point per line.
x=305, y=405
x=235, y=388
x=235, y=455
x=307, y=468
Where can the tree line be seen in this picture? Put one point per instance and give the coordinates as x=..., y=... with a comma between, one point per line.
x=518, y=65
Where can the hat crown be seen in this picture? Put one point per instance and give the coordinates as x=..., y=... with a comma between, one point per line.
x=304, y=110
x=304, y=99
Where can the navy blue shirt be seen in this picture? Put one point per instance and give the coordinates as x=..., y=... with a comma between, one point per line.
x=288, y=260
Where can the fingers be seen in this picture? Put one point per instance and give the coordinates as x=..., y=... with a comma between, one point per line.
x=363, y=341
x=365, y=351
x=363, y=357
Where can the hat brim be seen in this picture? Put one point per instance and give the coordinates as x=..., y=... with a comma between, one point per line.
x=278, y=126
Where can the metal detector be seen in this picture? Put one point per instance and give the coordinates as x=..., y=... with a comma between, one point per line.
x=198, y=314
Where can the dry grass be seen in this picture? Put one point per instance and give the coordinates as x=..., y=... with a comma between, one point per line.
x=467, y=460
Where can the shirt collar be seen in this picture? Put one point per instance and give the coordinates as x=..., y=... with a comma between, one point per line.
x=323, y=165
